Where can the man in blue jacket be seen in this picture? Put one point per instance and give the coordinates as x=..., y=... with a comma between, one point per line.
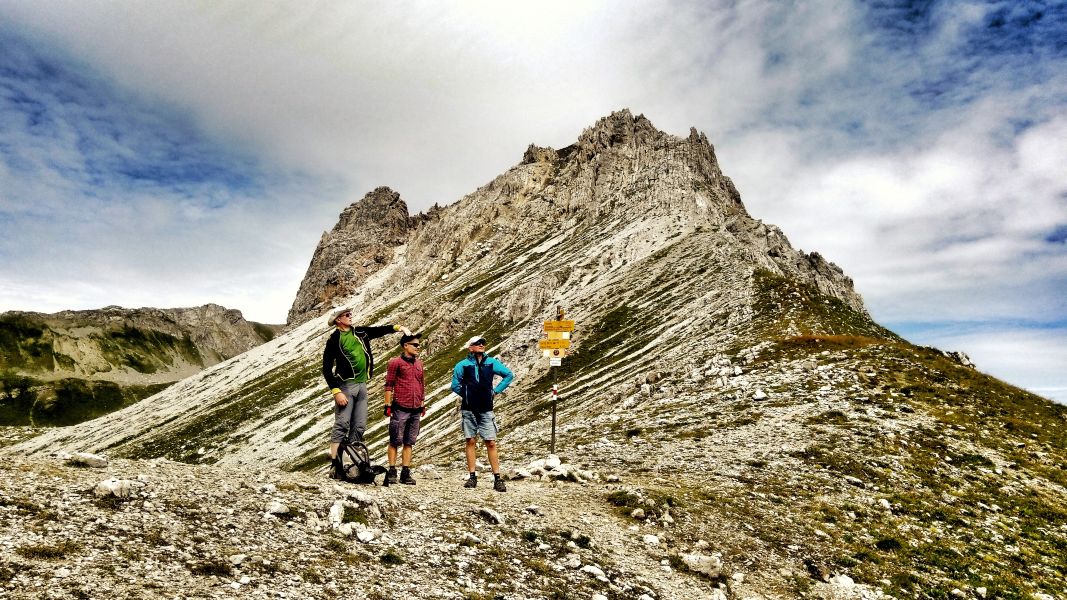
x=472, y=380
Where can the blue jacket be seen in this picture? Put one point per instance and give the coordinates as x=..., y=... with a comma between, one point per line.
x=474, y=382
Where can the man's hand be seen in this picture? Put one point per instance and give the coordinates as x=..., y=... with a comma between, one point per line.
x=423, y=414
x=340, y=399
x=388, y=410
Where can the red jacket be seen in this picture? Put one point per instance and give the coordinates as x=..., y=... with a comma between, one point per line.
x=405, y=380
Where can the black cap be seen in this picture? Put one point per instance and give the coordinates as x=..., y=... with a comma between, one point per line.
x=407, y=338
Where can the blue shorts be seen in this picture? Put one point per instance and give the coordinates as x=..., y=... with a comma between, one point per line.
x=479, y=424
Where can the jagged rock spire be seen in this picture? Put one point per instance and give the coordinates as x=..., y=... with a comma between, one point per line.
x=360, y=244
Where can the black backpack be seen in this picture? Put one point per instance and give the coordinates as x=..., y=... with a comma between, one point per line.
x=353, y=464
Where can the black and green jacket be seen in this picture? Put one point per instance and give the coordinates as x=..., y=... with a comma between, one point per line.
x=336, y=367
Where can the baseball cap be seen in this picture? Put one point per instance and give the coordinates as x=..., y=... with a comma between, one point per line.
x=474, y=340
x=407, y=338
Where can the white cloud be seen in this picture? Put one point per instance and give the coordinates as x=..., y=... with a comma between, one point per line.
x=931, y=174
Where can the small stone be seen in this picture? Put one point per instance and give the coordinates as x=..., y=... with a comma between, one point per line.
x=245, y=580
x=738, y=578
x=365, y=536
x=649, y=539
x=701, y=563
x=842, y=581
x=981, y=591
x=120, y=488
x=638, y=513
x=237, y=559
x=595, y=572
x=759, y=395
x=492, y=516
x=277, y=508
x=885, y=503
x=88, y=460
x=62, y=572
x=552, y=462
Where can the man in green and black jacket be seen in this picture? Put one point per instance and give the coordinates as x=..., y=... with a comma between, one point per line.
x=347, y=365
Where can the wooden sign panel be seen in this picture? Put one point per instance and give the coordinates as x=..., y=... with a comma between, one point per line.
x=559, y=325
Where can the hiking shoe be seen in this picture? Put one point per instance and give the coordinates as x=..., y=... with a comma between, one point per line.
x=390, y=476
x=472, y=482
x=336, y=469
x=405, y=477
x=499, y=486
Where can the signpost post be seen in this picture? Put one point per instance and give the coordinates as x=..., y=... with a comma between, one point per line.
x=555, y=348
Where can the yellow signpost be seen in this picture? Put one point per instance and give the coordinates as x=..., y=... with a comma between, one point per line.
x=554, y=349
x=559, y=325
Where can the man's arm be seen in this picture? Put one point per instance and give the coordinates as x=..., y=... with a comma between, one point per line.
x=457, y=373
x=500, y=369
x=331, y=378
x=376, y=332
x=390, y=382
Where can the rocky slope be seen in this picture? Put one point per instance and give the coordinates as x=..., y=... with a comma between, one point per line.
x=736, y=387
x=65, y=367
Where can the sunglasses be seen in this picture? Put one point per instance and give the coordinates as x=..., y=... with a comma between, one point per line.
x=349, y=315
x=416, y=345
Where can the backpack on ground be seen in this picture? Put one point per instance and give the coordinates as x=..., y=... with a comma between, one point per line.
x=353, y=464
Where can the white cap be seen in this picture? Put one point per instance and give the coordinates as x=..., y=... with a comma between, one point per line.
x=474, y=340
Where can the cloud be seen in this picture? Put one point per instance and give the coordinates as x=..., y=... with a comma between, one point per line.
x=918, y=145
x=1034, y=355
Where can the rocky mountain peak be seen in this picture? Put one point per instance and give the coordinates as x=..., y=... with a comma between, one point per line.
x=360, y=244
x=381, y=214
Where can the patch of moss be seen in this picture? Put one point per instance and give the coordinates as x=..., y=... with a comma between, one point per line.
x=58, y=550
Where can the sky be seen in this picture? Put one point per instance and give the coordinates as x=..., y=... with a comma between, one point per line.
x=178, y=153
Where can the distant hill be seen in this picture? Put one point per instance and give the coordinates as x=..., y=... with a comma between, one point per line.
x=66, y=367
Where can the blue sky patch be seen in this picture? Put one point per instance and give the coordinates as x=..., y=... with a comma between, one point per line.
x=63, y=122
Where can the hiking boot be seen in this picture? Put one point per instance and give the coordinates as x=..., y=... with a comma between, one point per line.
x=405, y=477
x=390, y=476
x=499, y=486
x=472, y=482
x=336, y=469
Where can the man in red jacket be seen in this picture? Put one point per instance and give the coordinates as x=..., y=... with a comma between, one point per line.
x=404, y=396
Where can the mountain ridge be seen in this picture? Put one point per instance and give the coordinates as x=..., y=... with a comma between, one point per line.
x=67, y=366
x=728, y=381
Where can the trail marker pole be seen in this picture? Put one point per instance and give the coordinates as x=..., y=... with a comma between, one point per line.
x=555, y=393
x=555, y=348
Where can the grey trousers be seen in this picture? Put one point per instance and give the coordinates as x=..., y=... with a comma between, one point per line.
x=350, y=420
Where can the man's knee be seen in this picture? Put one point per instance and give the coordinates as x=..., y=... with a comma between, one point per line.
x=490, y=444
x=471, y=442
